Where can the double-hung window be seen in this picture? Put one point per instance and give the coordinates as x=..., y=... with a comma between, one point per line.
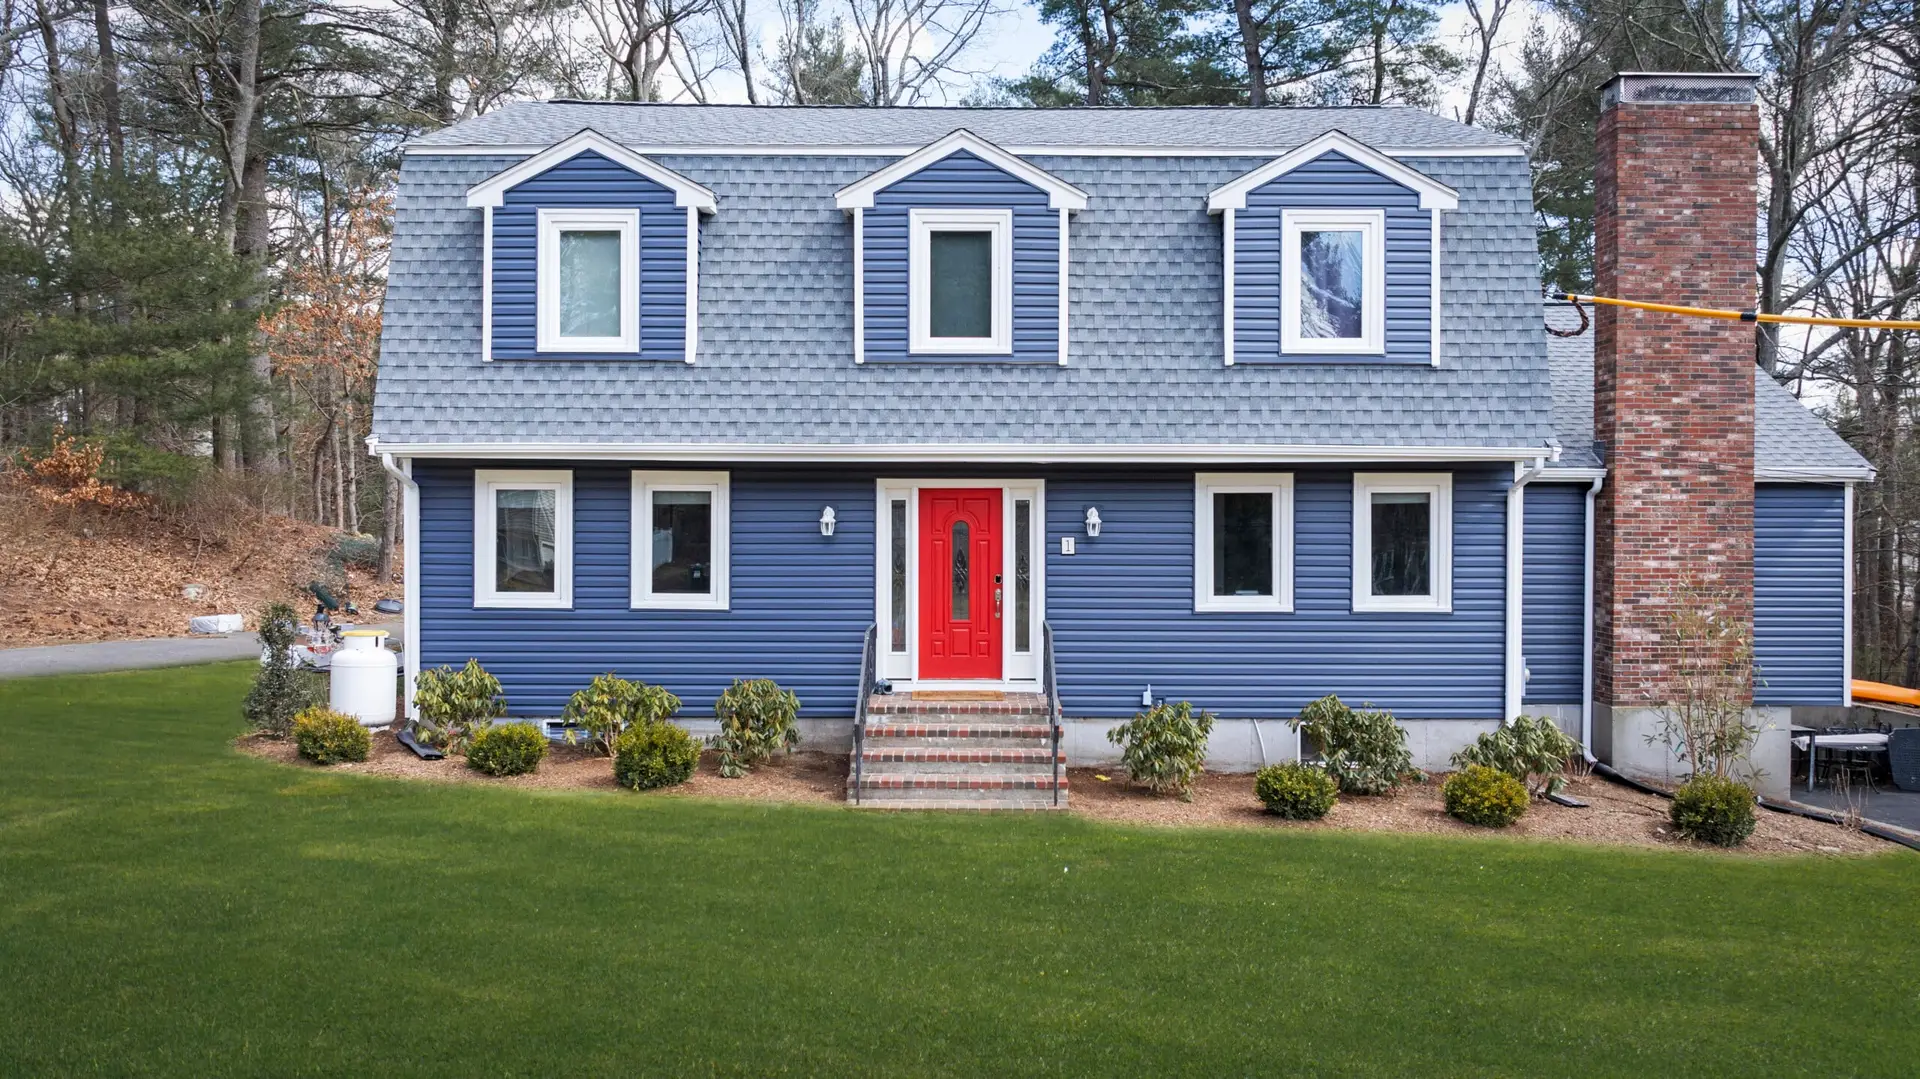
x=587, y=290
x=1243, y=541
x=680, y=532
x=1403, y=541
x=1333, y=281
x=522, y=539
x=960, y=281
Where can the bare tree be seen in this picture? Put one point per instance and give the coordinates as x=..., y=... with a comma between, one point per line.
x=639, y=39
x=1487, y=15
x=911, y=48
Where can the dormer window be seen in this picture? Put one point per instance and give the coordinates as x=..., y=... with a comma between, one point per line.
x=960, y=269
x=588, y=281
x=1333, y=281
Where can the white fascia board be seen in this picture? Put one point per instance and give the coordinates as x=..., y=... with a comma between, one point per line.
x=857, y=150
x=1570, y=475
x=1044, y=453
x=686, y=193
x=1433, y=194
x=1862, y=474
x=1060, y=194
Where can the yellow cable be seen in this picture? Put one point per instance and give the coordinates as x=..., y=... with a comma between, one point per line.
x=1741, y=316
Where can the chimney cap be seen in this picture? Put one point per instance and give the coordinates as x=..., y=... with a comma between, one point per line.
x=1679, y=88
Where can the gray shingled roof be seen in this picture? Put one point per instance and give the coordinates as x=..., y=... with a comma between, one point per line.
x=776, y=324
x=538, y=123
x=1787, y=435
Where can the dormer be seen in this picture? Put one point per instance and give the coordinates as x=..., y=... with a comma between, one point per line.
x=591, y=252
x=1332, y=255
x=960, y=254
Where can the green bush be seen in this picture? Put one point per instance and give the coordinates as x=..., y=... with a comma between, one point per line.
x=1484, y=796
x=1164, y=747
x=1714, y=810
x=453, y=705
x=1531, y=749
x=1296, y=791
x=1365, y=752
x=756, y=720
x=507, y=749
x=327, y=737
x=653, y=755
x=610, y=705
x=280, y=690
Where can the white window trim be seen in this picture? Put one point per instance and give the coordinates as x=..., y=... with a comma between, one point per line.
x=1438, y=486
x=920, y=224
x=640, y=564
x=547, y=279
x=1373, y=321
x=1279, y=485
x=485, y=483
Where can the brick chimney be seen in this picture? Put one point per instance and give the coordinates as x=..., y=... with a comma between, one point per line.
x=1675, y=203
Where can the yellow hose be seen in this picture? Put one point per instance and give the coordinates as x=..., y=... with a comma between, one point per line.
x=1742, y=316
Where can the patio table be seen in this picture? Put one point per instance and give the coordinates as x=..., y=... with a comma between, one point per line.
x=1812, y=740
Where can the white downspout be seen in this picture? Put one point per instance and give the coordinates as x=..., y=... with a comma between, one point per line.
x=1586, y=640
x=1516, y=680
x=409, y=570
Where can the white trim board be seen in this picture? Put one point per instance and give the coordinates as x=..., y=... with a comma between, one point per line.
x=887, y=150
x=1277, y=485
x=492, y=191
x=485, y=482
x=718, y=487
x=922, y=223
x=1060, y=194
x=1434, y=195
x=1041, y=453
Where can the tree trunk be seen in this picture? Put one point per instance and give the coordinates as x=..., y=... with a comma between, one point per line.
x=1250, y=43
x=110, y=87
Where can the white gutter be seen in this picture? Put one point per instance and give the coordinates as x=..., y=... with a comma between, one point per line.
x=1846, y=604
x=1516, y=668
x=1862, y=474
x=1586, y=627
x=968, y=452
x=409, y=571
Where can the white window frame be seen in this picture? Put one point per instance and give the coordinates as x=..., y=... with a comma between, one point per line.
x=1373, y=320
x=1279, y=485
x=921, y=224
x=718, y=485
x=1438, y=486
x=551, y=223
x=485, y=483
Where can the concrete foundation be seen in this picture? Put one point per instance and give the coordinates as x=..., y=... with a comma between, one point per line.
x=1628, y=739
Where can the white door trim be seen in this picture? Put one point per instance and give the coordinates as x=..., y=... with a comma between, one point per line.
x=1018, y=670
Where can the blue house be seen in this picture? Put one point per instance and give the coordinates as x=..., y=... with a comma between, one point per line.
x=1242, y=407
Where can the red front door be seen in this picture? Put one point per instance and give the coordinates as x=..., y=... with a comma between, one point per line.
x=960, y=587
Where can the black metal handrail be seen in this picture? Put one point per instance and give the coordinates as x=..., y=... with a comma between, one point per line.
x=1051, y=683
x=868, y=657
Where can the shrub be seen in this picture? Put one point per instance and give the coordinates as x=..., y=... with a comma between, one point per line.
x=610, y=705
x=1164, y=747
x=1365, y=751
x=653, y=755
x=1484, y=796
x=453, y=705
x=280, y=690
x=327, y=737
x=756, y=720
x=1296, y=791
x=509, y=749
x=1533, y=750
x=1714, y=809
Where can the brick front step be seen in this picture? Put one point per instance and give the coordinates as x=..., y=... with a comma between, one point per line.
x=959, y=781
x=952, y=754
x=898, y=800
x=1015, y=704
x=916, y=728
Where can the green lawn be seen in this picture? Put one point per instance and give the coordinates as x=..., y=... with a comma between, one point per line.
x=169, y=906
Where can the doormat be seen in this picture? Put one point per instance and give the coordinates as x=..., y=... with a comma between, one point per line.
x=959, y=695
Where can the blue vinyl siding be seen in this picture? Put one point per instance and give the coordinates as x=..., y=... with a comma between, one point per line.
x=962, y=180
x=1799, y=594
x=1123, y=617
x=1332, y=182
x=590, y=181
x=1121, y=607
x=800, y=600
x=1553, y=607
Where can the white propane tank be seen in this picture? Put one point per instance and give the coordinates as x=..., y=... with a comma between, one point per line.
x=363, y=678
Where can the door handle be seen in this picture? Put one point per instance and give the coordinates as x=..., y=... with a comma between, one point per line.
x=996, y=603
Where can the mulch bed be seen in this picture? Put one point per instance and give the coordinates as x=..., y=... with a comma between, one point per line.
x=1615, y=814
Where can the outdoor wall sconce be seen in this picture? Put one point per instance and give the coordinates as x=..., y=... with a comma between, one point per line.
x=826, y=521
x=1093, y=521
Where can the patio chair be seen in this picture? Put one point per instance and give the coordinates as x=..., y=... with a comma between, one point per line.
x=1903, y=757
